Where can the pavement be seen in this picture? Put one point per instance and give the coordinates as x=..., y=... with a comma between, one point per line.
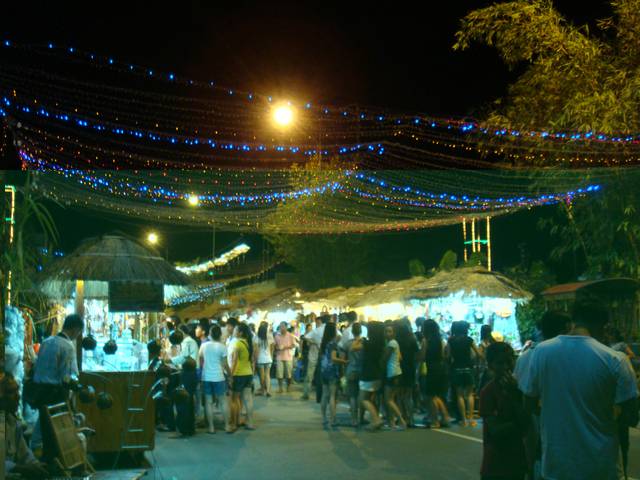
x=290, y=443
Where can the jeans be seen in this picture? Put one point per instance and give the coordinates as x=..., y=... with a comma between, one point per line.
x=311, y=370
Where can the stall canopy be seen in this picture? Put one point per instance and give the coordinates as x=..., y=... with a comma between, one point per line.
x=110, y=265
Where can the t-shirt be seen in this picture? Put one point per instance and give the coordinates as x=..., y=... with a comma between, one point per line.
x=56, y=361
x=264, y=349
x=579, y=381
x=372, y=368
x=354, y=366
x=460, y=348
x=231, y=344
x=212, y=354
x=523, y=363
x=505, y=456
x=314, y=338
x=243, y=366
x=393, y=364
x=286, y=343
x=329, y=369
x=347, y=336
x=188, y=349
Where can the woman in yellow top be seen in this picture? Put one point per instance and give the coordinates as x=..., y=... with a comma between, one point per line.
x=241, y=379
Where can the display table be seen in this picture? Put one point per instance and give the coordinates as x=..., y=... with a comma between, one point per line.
x=129, y=425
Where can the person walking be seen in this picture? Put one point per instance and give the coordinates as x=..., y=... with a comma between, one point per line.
x=486, y=339
x=313, y=339
x=241, y=378
x=186, y=360
x=461, y=351
x=392, y=359
x=409, y=350
x=354, y=367
x=285, y=346
x=504, y=421
x=264, y=345
x=586, y=391
x=373, y=371
x=330, y=363
x=212, y=359
x=436, y=382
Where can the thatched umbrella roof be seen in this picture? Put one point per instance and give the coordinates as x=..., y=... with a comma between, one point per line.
x=114, y=258
x=468, y=280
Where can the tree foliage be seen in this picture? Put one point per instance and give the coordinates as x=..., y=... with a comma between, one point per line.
x=574, y=78
x=417, y=268
x=321, y=260
x=449, y=261
x=34, y=227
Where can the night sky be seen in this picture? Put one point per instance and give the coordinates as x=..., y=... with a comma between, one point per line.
x=394, y=56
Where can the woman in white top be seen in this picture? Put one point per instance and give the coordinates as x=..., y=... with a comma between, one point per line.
x=392, y=381
x=263, y=353
x=212, y=358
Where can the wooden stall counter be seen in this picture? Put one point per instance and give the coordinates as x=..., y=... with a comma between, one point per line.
x=129, y=424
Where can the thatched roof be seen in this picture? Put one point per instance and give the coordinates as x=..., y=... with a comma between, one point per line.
x=114, y=258
x=443, y=284
x=263, y=295
x=468, y=280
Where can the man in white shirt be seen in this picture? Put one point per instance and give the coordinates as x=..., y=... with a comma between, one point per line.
x=347, y=333
x=313, y=339
x=581, y=384
x=55, y=368
x=188, y=347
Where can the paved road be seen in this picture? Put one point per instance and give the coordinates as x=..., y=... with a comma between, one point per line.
x=290, y=443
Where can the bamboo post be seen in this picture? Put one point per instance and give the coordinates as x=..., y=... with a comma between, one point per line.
x=489, y=243
x=79, y=309
x=473, y=235
x=464, y=239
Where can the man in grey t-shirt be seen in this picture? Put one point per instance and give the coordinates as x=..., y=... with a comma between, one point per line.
x=585, y=390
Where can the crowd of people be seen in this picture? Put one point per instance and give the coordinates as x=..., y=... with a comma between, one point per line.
x=560, y=409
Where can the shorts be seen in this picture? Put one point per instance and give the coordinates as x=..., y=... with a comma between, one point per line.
x=284, y=369
x=265, y=365
x=353, y=388
x=240, y=382
x=216, y=389
x=392, y=381
x=462, y=377
x=370, y=386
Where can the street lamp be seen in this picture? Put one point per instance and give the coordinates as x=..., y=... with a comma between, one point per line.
x=283, y=115
x=193, y=200
x=152, y=238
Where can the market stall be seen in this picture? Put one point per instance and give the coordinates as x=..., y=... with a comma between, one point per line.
x=473, y=294
x=119, y=288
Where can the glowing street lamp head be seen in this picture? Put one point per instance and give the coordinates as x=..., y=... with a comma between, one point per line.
x=193, y=200
x=152, y=238
x=283, y=115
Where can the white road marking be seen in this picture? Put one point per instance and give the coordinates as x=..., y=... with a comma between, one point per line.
x=478, y=440
x=466, y=437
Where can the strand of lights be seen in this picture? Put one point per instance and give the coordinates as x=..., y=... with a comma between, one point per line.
x=217, y=262
x=442, y=200
x=196, y=294
x=170, y=77
x=165, y=193
x=115, y=129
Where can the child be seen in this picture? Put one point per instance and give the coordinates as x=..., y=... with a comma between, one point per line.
x=504, y=420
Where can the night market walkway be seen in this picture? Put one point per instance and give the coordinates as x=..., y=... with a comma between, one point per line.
x=290, y=443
